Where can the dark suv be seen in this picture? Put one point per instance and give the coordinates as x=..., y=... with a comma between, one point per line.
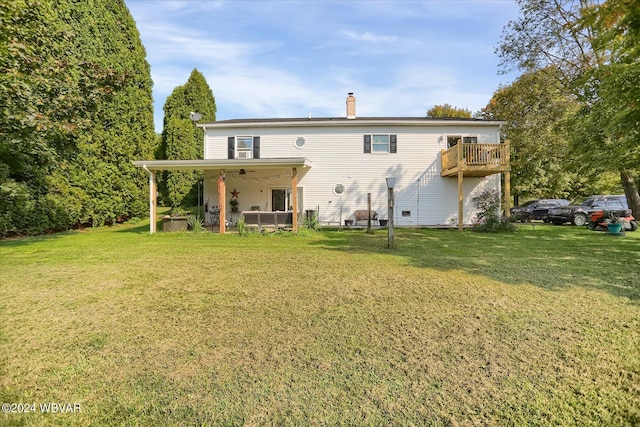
x=536, y=209
x=579, y=214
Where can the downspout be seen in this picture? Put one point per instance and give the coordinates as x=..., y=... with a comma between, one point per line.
x=152, y=200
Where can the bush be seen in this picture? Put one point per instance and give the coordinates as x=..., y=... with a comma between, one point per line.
x=489, y=219
x=195, y=223
x=242, y=228
x=312, y=222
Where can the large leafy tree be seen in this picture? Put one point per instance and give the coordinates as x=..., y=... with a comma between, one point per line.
x=448, y=111
x=608, y=125
x=67, y=68
x=532, y=108
x=590, y=47
x=181, y=139
x=122, y=125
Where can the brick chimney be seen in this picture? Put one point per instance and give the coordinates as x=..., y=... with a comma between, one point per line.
x=351, y=106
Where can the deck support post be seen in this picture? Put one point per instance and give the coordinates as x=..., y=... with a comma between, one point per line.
x=507, y=183
x=460, y=187
x=460, y=199
x=507, y=194
x=222, y=190
x=294, y=198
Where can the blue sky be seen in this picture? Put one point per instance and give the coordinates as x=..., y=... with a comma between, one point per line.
x=292, y=58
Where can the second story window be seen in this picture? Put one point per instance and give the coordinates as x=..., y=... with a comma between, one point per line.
x=244, y=147
x=380, y=143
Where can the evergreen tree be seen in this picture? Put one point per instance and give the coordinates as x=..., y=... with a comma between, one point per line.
x=122, y=125
x=178, y=144
x=78, y=109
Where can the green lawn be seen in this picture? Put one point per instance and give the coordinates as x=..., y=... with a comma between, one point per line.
x=540, y=327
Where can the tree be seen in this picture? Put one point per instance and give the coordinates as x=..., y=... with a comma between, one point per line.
x=122, y=125
x=66, y=70
x=610, y=118
x=448, y=111
x=533, y=108
x=179, y=144
x=591, y=49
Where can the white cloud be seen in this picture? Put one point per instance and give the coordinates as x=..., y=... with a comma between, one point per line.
x=369, y=37
x=288, y=59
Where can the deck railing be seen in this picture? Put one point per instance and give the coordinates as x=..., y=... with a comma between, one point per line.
x=476, y=155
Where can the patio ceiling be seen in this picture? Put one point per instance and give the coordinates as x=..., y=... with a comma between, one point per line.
x=160, y=165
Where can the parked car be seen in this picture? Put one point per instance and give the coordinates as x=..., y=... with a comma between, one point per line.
x=579, y=214
x=536, y=209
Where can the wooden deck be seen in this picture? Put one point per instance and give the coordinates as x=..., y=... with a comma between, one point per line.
x=475, y=159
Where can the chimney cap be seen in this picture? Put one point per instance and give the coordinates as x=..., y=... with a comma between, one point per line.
x=350, y=94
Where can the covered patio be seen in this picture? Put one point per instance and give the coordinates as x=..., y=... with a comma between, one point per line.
x=219, y=171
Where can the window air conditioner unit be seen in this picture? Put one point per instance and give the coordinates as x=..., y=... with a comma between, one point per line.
x=243, y=155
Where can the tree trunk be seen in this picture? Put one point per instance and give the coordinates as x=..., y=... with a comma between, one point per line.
x=631, y=191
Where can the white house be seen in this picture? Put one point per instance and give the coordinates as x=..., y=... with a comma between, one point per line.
x=330, y=165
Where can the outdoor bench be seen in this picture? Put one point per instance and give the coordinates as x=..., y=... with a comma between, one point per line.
x=363, y=215
x=268, y=219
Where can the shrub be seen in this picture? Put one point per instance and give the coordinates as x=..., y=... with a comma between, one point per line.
x=242, y=228
x=311, y=223
x=195, y=223
x=489, y=219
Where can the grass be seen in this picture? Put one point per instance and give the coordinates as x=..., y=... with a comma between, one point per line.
x=540, y=327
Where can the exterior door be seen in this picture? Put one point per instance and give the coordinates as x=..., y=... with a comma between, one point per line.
x=280, y=199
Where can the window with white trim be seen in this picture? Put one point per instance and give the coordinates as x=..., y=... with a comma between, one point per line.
x=380, y=143
x=244, y=147
x=453, y=140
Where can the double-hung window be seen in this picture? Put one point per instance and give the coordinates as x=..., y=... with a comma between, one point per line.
x=244, y=147
x=380, y=143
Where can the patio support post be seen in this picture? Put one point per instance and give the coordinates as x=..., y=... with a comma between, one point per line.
x=294, y=196
x=152, y=202
x=152, y=199
x=222, y=190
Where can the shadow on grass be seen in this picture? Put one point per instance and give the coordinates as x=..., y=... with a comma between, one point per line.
x=140, y=228
x=28, y=240
x=546, y=256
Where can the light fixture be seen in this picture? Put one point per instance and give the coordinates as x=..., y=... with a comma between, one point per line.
x=391, y=182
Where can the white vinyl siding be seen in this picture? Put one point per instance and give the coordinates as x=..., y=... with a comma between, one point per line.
x=337, y=157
